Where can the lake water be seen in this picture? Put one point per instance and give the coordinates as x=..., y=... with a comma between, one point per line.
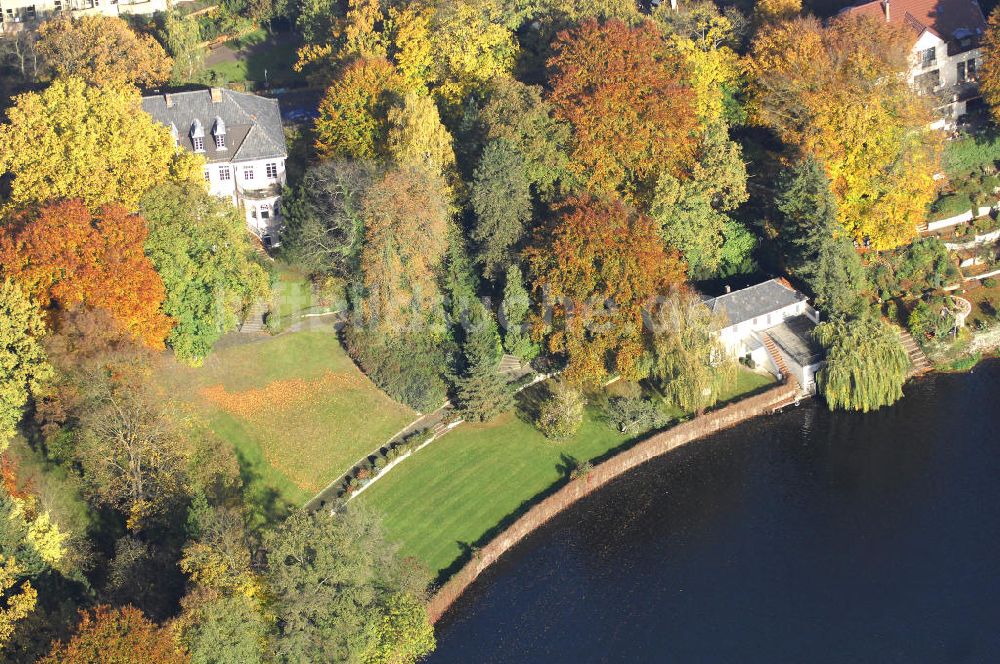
x=807, y=536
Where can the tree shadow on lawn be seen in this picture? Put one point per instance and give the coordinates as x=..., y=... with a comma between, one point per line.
x=265, y=505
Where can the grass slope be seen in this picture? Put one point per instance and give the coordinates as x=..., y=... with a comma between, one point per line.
x=459, y=491
x=295, y=408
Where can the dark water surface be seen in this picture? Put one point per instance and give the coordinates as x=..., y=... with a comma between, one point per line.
x=802, y=537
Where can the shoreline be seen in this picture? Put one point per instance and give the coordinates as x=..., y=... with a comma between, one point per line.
x=652, y=447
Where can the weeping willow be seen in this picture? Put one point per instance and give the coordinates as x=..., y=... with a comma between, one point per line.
x=690, y=364
x=866, y=364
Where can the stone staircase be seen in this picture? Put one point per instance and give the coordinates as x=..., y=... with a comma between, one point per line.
x=776, y=357
x=919, y=364
x=253, y=322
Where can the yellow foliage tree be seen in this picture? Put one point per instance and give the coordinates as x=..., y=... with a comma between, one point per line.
x=414, y=51
x=838, y=93
x=19, y=599
x=93, y=143
x=41, y=532
x=101, y=50
x=417, y=137
x=774, y=11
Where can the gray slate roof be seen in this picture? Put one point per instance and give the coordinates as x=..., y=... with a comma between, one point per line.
x=755, y=301
x=253, y=124
x=794, y=336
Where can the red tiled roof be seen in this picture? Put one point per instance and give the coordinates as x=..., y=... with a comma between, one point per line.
x=941, y=17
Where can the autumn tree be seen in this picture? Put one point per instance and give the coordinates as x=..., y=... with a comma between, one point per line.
x=989, y=68
x=102, y=50
x=93, y=143
x=690, y=364
x=202, y=252
x=866, y=364
x=774, y=11
x=470, y=46
x=417, y=138
x=24, y=368
x=117, y=635
x=324, y=217
x=130, y=448
x=838, y=93
x=623, y=90
x=501, y=200
x=66, y=256
x=406, y=217
x=340, y=589
x=353, y=117
x=18, y=596
x=599, y=265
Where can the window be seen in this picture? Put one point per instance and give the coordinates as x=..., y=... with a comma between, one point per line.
x=248, y=173
x=29, y=12
x=265, y=211
x=272, y=171
x=220, y=141
x=199, y=143
x=928, y=57
x=961, y=72
x=970, y=69
x=208, y=176
x=224, y=173
x=57, y=5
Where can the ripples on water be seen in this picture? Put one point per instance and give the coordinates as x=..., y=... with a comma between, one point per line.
x=803, y=537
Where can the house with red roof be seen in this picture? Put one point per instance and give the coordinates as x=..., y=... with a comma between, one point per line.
x=945, y=53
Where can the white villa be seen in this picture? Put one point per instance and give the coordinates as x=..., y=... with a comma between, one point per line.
x=945, y=52
x=242, y=140
x=771, y=322
x=16, y=15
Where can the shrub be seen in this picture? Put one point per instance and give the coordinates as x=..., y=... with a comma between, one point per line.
x=989, y=282
x=561, y=414
x=633, y=414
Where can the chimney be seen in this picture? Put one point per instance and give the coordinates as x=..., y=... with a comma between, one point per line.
x=168, y=100
x=728, y=289
x=885, y=8
x=673, y=5
x=216, y=95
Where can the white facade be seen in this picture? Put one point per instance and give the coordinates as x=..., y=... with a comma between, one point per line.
x=952, y=77
x=738, y=338
x=20, y=14
x=255, y=186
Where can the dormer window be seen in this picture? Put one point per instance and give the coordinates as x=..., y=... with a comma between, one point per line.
x=219, y=132
x=198, y=136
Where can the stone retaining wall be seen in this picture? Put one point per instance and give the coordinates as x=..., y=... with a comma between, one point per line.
x=614, y=467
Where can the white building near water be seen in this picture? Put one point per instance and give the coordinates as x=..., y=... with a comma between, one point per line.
x=242, y=140
x=16, y=15
x=771, y=322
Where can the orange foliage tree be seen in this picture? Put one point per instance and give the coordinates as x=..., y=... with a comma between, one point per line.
x=600, y=266
x=624, y=92
x=838, y=93
x=117, y=635
x=989, y=72
x=65, y=256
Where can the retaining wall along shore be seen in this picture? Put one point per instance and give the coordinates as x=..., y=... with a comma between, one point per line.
x=618, y=465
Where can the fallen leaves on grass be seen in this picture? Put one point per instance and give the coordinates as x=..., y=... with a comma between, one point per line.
x=277, y=395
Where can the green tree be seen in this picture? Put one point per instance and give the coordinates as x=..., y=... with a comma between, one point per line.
x=817, y=249
x=182, y=37
x=517, y=113
x=336, y=584
x=689, y=223
x=201, y=250
x=23, y=364
x=560, y=415
x=501, y=200
x=690, y=363
x=482, y=392
x=221, y=629
x=514, y=311
x=324, y=220
x=866, y=364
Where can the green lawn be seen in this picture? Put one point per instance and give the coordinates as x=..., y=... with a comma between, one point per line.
x=456, y=492
x=296, y=409
x=257, y=57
